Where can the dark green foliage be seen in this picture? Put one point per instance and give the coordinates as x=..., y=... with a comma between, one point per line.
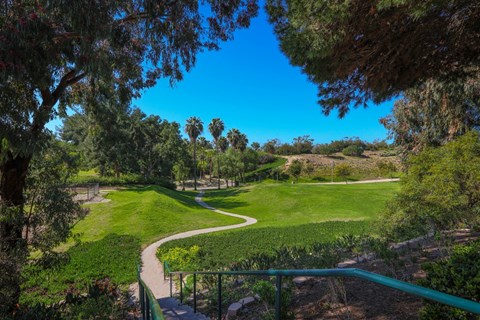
x=303, y=144
x=353, y=150
x=295, y=168
x=324, y=149
x=103, y=300
x=457, y=275
x=441, y=190
x=345, y=47
x=86, y=261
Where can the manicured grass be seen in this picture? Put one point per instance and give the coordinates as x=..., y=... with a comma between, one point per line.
x=288, y=215
x=286, y=204
x=112, y=236
x=149, y=214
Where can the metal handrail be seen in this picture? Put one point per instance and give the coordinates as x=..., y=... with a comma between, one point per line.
x=430, y=294
x=149, y=305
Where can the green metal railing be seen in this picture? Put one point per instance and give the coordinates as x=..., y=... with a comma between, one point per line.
x=437, y=296
x=148, y=304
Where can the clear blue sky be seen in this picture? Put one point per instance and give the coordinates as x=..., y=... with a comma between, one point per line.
x=251, y=86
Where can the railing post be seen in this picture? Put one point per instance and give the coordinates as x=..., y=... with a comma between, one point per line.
x=171, y=287
x=219, y=296
x=278, y=296
x=147, y=315
x=194, y=293
x=164, y=271
x=181, y=287
x=141, y=293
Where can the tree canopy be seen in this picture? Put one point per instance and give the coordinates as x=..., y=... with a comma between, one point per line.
x=358, y=50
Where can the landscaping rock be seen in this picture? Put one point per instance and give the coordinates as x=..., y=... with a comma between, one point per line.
x=247, y=301
x=233, y=310
x=347, y=264
x=303, y=281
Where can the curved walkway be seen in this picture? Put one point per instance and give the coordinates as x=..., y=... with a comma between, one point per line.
x=152, y=269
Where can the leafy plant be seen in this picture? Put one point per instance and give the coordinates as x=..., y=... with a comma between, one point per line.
x=457, y=275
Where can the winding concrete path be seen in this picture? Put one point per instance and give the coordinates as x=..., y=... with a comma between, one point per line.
x=152, y=269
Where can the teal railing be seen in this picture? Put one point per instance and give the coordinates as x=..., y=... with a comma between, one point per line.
x=437, y=296
x=148, y=304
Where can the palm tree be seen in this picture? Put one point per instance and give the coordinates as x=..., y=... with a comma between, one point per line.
x=222, y=144
x=216, y=128
x=194, y=128
x=233, y=137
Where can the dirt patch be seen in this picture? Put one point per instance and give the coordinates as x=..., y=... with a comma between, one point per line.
x=366, y=300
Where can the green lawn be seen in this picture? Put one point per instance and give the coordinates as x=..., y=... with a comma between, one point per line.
x=292, y=215
x=286, y=204
x=113, y=235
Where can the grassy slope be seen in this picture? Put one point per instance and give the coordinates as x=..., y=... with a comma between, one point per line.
x=148, y=214
x=112, y=236
x=288, y=215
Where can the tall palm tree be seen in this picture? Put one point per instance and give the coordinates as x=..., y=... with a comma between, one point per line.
x=194, y=128
x=233, y=137
x=216, y=128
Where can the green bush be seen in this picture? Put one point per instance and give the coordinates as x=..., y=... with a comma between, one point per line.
x=127, y=179
x=181, y=259
x=458, y=275
x=353, y=150
x=440, y=190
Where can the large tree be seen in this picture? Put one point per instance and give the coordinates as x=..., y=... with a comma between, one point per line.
x=216, y=128
x=361, y=50
x=434, y=113
x=194, y=128
x=53, y=50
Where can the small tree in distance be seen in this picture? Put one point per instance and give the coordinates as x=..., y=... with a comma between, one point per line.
x=194, y=128
x=295, y=169
x=343, y=171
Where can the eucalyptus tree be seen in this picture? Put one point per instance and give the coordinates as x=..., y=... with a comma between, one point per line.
x=216, y=128
x=52, y=51
x=345, y=47
x=194, y=128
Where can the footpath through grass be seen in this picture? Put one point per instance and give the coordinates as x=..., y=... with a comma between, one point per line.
x=288, y=215
x=112, y=236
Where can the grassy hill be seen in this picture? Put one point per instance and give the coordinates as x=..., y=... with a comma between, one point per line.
x=112, y=236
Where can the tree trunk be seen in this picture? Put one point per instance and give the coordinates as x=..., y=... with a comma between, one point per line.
x=13, y=249
x=218, y=169
x=195, y=165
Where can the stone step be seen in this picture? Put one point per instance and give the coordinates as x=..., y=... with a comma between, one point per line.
x=173, y=310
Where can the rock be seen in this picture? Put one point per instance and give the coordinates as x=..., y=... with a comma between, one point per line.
x=246, y=301
x=346, y=264
x=303, y=281
x=233, y=310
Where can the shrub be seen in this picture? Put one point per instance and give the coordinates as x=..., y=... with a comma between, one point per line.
x=295, y=169
x=353, y=150
x=440, y=191
x=127, y=179
x=458, y=275
x=343, y=170
x=265, y=158
x=324, y=149
x=181, y=259
x=386, y=168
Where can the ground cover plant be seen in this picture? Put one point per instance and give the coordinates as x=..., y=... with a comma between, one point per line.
x=112, y=236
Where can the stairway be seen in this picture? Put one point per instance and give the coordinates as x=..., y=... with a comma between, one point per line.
x=173, y=310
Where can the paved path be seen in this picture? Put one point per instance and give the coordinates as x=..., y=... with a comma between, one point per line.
x=152, y=269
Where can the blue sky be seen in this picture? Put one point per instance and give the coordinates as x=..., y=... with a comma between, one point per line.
x=251, y=86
